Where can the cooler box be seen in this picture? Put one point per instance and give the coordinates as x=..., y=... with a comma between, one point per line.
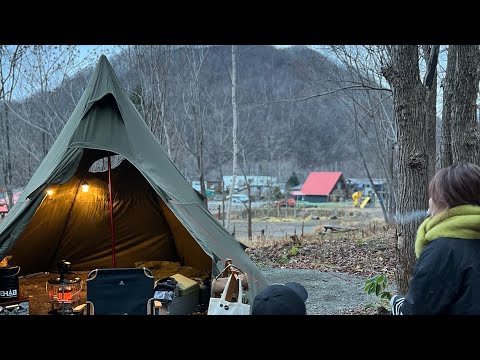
x=188, y=296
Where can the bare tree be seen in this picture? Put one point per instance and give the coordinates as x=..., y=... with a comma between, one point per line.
x=248, y=204
x=10, y=65
x=414, y=135
x=192, y=108
x=278, y=153
x=461, y=134
x=370, y=112
x=409, y=95
x=150, y=79
x=446, y=158
x=430, y=54
x=234, y=132
x=221, y=130
x=357, y=125
x=46, y=68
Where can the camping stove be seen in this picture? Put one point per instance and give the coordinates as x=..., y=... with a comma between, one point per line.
x=64, y=294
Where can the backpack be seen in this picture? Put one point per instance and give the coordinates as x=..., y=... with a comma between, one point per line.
x=165, y=290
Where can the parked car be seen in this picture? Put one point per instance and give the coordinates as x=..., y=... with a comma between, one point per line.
x=289, y=202
x=239, y=198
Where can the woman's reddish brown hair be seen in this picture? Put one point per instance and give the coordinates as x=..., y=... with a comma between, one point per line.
x=455, y=185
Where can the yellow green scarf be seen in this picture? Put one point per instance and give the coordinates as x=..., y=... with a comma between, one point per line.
x=461, y=222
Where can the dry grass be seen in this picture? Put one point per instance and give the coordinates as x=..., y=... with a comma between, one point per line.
x=367, y=251
x=324, y=211
x=365, y=223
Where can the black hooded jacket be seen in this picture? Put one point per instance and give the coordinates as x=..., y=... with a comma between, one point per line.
x=446, y=279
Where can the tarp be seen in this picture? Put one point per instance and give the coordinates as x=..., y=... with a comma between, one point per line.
x=157, y=214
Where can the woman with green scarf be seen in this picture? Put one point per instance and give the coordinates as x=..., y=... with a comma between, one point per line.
x=446, y=277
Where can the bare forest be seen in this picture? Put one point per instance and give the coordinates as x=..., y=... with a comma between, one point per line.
x=396, y=112
x=184, y=95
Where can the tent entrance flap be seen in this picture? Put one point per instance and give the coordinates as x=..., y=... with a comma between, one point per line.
x=75, y=225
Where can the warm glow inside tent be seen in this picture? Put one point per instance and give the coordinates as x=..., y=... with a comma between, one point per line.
x=157, y=215
x=75, y=225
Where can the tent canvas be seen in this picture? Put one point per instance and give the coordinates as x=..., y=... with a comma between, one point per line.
x=158, y=215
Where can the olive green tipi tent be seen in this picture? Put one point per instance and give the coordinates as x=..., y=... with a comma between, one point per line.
x=157, y=215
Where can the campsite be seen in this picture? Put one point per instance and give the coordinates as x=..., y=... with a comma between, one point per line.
x=336, y=264
x=55, y=218
x=203, y=179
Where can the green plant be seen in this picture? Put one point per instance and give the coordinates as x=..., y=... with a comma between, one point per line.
x=277, y=193
x=378, y=285
x=360, y=242
x=292, y=181
x=293, y=251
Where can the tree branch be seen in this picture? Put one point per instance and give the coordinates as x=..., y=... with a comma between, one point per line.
x=432, y=66
x=352, y=87
x=27, y=121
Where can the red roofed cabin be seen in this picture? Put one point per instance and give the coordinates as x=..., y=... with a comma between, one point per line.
x=323, y=187
x=4, y=200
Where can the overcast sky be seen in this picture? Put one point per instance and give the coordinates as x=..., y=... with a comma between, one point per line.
x=86, y=50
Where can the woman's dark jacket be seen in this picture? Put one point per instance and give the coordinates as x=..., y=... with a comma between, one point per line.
x=446, y=279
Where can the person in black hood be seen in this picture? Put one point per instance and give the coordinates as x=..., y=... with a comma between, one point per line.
x=281, y=299
x=446, y=276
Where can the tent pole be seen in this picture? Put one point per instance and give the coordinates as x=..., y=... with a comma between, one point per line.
x=111, y=210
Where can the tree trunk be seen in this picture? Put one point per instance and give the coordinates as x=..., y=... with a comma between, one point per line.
x=431, y=59
x=202, y=177
x=392, y=182
x=163, y=105
x=409, y=97
x=223, y=196
x=446, y=142
x=431, y=127
x=465, y=135
x=248, y=206
x=7, y=168
x=386, y=216
x=234, y=132
x=198, y=139
x=249, y=212
x=201, y=165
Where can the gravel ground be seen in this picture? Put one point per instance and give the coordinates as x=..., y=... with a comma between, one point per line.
x=329, y=293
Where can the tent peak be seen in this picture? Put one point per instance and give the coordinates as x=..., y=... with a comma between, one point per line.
x=103, y=61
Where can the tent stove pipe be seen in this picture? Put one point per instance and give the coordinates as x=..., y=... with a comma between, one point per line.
x=111, y=210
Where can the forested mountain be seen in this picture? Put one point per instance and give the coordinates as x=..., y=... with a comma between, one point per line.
x=184, y=95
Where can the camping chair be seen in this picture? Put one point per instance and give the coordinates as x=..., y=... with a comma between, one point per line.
x=123, y=291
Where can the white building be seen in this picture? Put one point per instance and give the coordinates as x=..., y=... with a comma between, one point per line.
x=196, y=185
x=254, y=181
